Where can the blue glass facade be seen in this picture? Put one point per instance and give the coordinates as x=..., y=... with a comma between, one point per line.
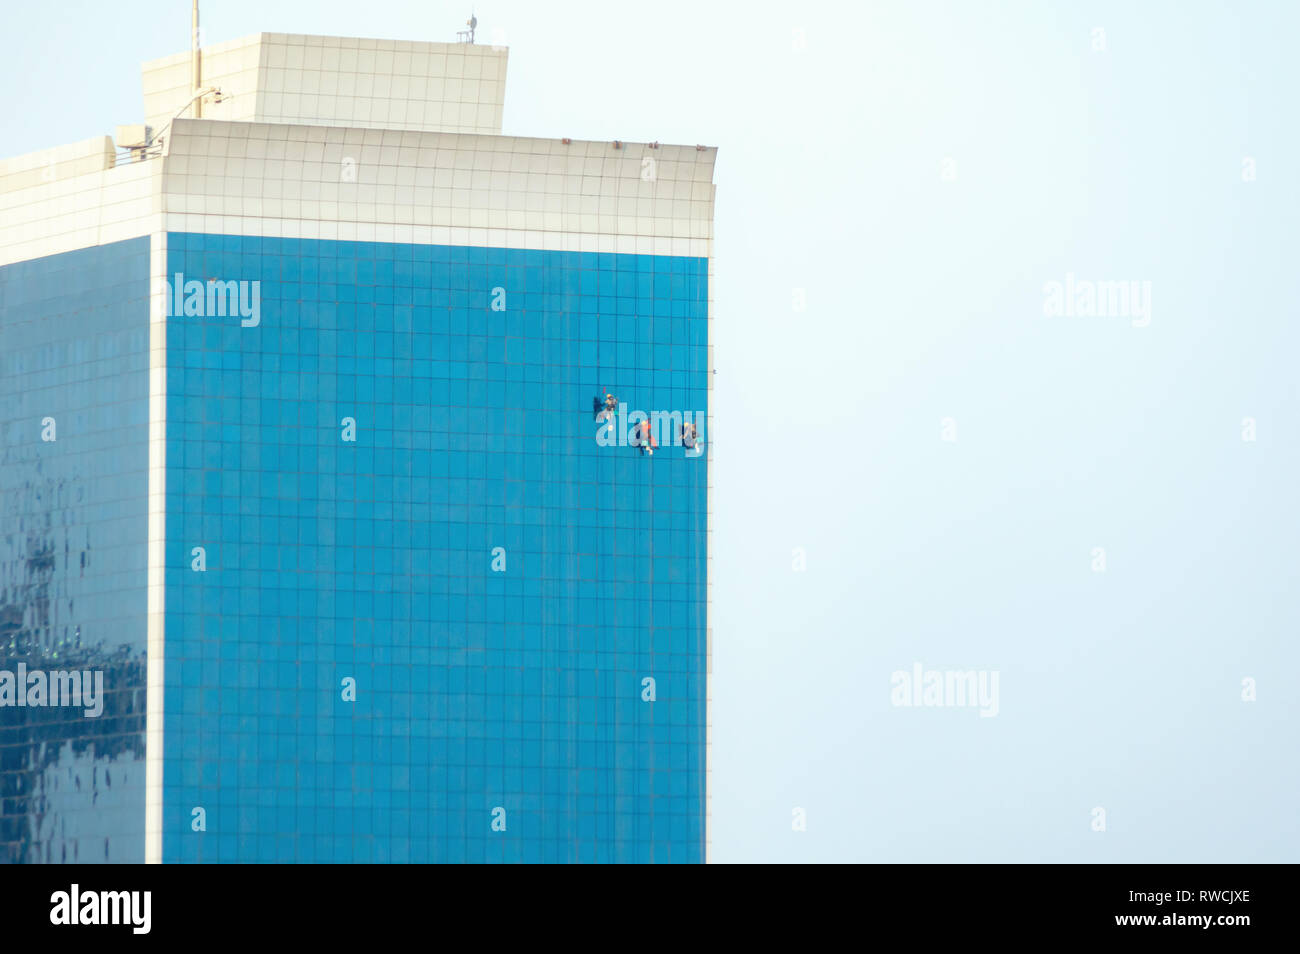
x=395, y=481
x=74, y=427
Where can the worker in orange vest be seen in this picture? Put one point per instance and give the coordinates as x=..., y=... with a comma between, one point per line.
x=645, y=438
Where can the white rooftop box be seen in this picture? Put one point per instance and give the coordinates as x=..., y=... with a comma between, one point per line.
x=132, y=137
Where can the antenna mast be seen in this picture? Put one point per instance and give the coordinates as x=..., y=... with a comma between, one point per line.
x=196, y=59
x=464, y=36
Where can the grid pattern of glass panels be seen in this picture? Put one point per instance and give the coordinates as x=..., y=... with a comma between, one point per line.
x=74, y=429
x=498, y=584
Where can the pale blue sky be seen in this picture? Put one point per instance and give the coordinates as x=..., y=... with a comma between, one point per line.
x=925, y=301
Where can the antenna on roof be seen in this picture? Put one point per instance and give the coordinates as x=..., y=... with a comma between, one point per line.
x=196, y=61
x=464, y=36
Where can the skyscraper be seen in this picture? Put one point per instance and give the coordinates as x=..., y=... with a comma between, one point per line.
x=306, y=465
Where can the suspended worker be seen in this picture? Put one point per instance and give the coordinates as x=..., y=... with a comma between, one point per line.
x=605, y=410
x=689, y=435
x=645, y=438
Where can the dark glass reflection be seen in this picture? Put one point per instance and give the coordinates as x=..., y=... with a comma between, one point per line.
x=58, y=768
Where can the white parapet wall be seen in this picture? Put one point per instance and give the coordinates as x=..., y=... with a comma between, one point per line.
x=438, y=188
x=337, y=81
x=72, y=197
